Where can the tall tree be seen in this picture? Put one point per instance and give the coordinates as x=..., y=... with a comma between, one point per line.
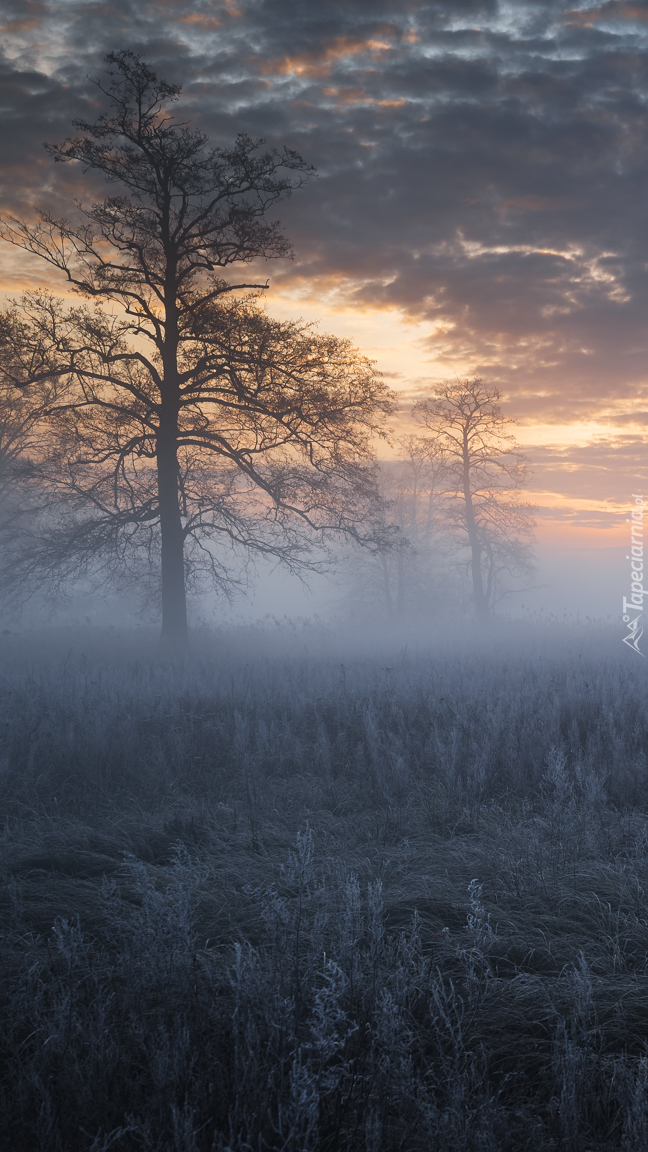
x=187, y=412
x=24, y=401
x=23, y=411
x=483, y=470
x=404, y=578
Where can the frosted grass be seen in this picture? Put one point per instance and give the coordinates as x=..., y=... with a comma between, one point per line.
x=301, y=892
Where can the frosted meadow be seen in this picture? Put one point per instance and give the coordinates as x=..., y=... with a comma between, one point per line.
x=306, y=893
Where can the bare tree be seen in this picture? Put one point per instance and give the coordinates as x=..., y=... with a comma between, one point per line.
x=483, y=471
x=406, y=576
x=24, y=404
x=188, y=413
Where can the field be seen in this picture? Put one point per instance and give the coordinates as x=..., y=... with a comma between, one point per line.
x=309, y=894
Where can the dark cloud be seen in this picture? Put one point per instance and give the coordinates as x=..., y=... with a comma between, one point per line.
x=483, y=166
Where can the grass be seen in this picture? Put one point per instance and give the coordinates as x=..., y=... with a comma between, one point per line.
x=298, y=894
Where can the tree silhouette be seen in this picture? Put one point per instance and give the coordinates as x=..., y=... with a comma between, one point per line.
x=24, y=361
x=483, y=469
x=187, y=413
x=407, y=578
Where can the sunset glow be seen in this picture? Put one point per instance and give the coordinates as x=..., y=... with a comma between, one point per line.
x=479, y=208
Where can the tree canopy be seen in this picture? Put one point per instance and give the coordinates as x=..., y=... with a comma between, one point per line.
x=183, y=413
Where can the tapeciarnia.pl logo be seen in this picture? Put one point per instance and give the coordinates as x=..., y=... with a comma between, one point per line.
x=635, y=603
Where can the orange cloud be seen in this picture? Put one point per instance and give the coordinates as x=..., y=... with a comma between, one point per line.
x=197, y=20
x=347, y=95
x=614, y=9
x=320, y=63
x=34, y=12
x=26, y=24
x=200, y=20
x=350, y=96
x=538, y=203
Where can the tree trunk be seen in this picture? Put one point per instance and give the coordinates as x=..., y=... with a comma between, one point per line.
x=174, y=594
x=388, y=596
x=481, y=606
x=174, y=598
x=400, y=611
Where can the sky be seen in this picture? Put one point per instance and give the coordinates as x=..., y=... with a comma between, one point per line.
x=480, y=206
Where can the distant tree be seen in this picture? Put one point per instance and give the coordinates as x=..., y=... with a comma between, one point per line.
x=483, y=470
x=21, y=411
x=26, y=397
x=188, y=414
x=405, y=577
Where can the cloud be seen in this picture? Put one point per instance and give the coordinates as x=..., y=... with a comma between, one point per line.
x=201, y=21
x=320, y=62
x=482, y=166
x=612, y=12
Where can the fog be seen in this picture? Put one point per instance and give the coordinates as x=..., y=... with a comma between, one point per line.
x=576, y=582
x=401, y=866
x=570, y=584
